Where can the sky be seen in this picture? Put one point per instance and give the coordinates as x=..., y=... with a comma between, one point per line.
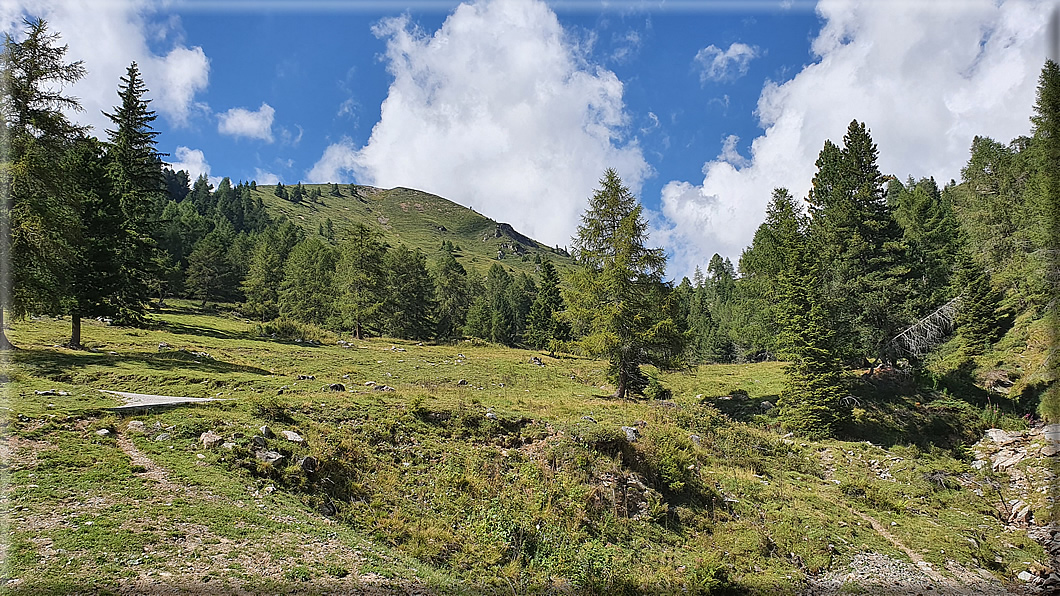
x=517, y=107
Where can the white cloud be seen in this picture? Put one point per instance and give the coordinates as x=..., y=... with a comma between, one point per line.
x=107, y=36
x=497, y=110
x=241, y=122
x=724, y=65
x=263, y=177
x=192, y=161
x=925, y=78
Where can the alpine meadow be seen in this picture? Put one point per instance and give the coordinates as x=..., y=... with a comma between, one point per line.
x=219, y=386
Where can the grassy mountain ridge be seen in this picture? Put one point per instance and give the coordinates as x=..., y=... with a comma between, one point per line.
x=419, y=220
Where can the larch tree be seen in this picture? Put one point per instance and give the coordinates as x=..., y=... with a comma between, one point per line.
x=360, y=280
x=611, y=295
x=36, y=210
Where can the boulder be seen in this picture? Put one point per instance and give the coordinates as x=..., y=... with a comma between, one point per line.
x=210, y=439
x=334, y=387
x=136, y=426
x=162, y=437
x=292, y=436
x=1002, y=437
x=103, y=432
x=269, y=457
x=632, y=434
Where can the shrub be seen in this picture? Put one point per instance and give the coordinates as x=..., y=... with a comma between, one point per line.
x=284, y=328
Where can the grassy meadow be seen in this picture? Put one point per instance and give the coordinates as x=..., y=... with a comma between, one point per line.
x=455, y=468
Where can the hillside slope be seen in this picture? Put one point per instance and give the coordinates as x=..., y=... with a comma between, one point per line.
x=417, y=219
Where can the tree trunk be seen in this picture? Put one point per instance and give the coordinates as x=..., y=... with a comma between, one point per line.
x=620, y=391
x=357, y=331
x=75, y=331
x=5, y=344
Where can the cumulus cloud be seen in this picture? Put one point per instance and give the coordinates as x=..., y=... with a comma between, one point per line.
x=192, y=161
x=241, y=122
x=107, y=36
x=497, y=110
x=926, y=78
x=263, y=177
x=716, y=64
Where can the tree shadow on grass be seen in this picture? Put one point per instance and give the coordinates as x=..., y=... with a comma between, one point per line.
x=184, y=329
x=60, y=366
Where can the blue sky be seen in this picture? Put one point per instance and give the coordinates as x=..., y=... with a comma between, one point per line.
x=515, y=107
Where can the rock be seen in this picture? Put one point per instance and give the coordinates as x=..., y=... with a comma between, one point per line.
x=306, y=377
x=369, y=383
x=308, y=464
x=292, y=436
x=1050, y=450
x=1002, y=437
x=136, y=426
x=1006, y=459
x=269, y=457
x=589, y=418
x=228, y=446
x=1052, y=432
x=162, y=437
x=462, y=382
x=765, y=406
x=383, y=388
x=257, y=441
x=103, y=432
x=52, y=392
x=327, y=509
x=334, y=387
x=632, y=434
x=210, y=439
x=1026, y=576
x=267, y=432
x=695, y=439
x=491, y=415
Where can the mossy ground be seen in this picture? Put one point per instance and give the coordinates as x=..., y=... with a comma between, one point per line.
x=480, y=472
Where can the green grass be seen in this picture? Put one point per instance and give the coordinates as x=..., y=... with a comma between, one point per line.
x=417, y=219
x=480, y=471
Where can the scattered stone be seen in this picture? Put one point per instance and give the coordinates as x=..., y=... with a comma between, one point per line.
x=369, y=383
x=536, y=361
x=632, y=434
x=228, y=446
x=162, y=437
x=383, y=388
x=695, y=439
x=491, y=415
x=306, y=378
x=462, y=382
x=334, y=387
x=292, y=436
x=269, y=457
x=328, y=509
x=765, y=406
x=308, y=464
x=1026, y=576
x=52, y=392
x=257, y=441
x=1002, y=437
x=136, y=426
x=270, y=489
x=589, y=418
x=267, y=432
x=210, y=439
x=163, y=346
x=103, y=432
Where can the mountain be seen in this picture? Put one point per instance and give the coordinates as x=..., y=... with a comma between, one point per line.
x=417, y=219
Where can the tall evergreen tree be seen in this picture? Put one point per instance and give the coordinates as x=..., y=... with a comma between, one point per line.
x=610, y=295
x=36, y=212
x=306, y=290
x=409, y=308
x=860, y=254
x=544, y=329
x=95, y=268
x=360, y=280
x=135, y=172
x=451, y=288
x=262, y=283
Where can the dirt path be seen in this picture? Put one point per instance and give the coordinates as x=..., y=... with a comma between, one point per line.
x=152, y=470
x=913, y=555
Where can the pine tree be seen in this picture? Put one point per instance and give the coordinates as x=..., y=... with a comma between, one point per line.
x=858, y=245
x=261, y=286
x=610, y=295
x=36, y=213
x=305, y=293
x=409, y=307
x=1046, y=153
x=360, y=280
x=135, y=172
x=210, y=271
x=544, y=329
x=451, y=288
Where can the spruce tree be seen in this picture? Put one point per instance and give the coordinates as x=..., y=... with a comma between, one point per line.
x=451, y=288
x=409, y=307
x=306, y=290
x=543, y=329
x=262, y=283
x=135, y=172
x=610, y=295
